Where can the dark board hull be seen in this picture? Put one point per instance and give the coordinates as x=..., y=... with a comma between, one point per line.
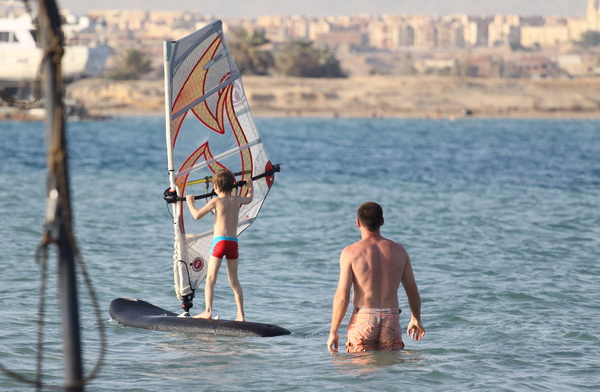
x=141, y=314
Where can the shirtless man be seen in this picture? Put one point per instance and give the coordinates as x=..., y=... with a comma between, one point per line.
x=374, y=267
x=226, y=208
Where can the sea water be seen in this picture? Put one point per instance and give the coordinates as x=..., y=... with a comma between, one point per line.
x=501, y=219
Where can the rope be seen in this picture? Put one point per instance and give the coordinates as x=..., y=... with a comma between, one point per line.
x=41, y=258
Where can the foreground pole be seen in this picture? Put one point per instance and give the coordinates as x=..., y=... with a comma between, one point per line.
x=59, y=218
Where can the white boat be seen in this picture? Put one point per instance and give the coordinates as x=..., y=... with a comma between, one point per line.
x=20, y=55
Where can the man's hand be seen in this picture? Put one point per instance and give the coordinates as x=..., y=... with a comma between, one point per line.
x=332, y=342
x=415, y=329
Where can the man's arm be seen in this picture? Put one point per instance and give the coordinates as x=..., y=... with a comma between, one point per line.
x=340, y=301
x=199, y=213
x=415, y=329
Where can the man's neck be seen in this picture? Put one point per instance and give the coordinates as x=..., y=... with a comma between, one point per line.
x=366, y=234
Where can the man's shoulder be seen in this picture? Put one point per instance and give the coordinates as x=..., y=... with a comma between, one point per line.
x=389, y=242
x=349, y=248
x=353, y=249
x=355, y=246
x=365, y=244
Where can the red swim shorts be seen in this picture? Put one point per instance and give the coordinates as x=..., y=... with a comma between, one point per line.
x=224, y=247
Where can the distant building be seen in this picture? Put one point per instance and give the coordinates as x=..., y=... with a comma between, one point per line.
x=504, y=30
x=450, y=34
x=121, y=20
x=572, y=64
x=383, y=35
x=426, y=35
x=536, y=67
x=593, y=11
x=545, y=36
x=476, y=32
x=389, y=43
x=591, y=21
x=479, y=66
x=438, y=67
x=351, y=38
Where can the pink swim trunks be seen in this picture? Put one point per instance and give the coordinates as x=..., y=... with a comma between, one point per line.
x=374, y=329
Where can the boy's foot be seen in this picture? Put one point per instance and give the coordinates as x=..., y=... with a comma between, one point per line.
x=240, y=318
x=204, y=315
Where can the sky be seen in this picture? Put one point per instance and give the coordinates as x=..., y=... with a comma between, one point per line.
x=253, y=8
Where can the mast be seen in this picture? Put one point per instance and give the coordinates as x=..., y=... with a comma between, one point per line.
x=167, y=48
x=59, y=228
x=181, y=276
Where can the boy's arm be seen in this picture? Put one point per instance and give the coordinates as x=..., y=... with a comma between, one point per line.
x=250, y=195
x=199, y=213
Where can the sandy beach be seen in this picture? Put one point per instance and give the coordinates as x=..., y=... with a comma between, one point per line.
x=368, y=96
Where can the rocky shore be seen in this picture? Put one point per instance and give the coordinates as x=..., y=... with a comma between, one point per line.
x=367, y=96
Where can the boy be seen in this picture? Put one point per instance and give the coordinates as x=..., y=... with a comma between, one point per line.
x=226, y=208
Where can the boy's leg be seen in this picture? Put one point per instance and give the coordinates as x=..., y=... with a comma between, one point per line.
x=232, y=275
x=211, y=279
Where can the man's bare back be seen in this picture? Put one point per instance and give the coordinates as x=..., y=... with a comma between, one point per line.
x=378, y=267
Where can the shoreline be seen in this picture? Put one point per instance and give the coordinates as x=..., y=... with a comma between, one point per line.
x=433, y=97
x=562, y=115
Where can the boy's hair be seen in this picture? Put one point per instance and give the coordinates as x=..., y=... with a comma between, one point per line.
x=370, y=215
x=224, y=180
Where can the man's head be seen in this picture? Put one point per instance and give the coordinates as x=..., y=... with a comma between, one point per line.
x=370, y=216
x=224, y=181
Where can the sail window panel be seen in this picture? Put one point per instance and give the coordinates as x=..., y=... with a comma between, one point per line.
x=188, y=52
x=228, y=159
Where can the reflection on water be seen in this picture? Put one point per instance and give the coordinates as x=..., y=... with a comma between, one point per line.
x=372, y=361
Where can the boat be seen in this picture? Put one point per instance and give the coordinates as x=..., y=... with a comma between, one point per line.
x=21, y=55
x=209, y=126
x=74, y=110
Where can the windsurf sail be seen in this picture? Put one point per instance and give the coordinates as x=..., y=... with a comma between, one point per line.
x=209, y=126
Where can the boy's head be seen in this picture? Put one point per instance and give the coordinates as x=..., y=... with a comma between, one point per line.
x=370, y=215
x=224, y=181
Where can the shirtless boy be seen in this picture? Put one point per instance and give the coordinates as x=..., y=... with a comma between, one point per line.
x=226, y=208
x=374, y=267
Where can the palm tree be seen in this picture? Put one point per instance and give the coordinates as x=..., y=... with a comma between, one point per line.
x=301, y=58
x=132, y=64
x=246, y=50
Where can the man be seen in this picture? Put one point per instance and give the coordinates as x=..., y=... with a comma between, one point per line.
x=374, y=267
